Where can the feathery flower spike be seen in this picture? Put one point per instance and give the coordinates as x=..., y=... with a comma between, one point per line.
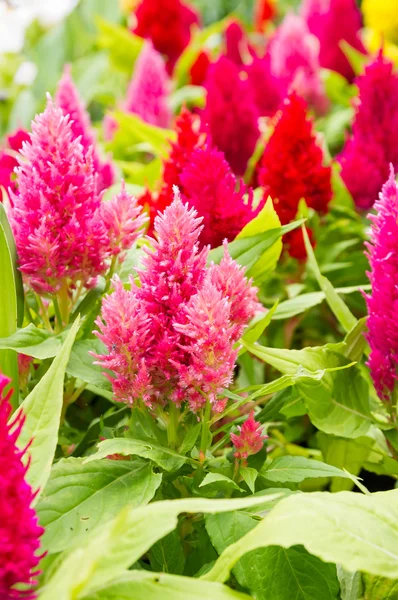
x=19, y=530
x=383, y=301
x=56, y=220
x=8, y=161
x=250, y=438
x=68, y=99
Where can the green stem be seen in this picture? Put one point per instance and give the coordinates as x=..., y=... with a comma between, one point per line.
x=43, y=314
x=110, y=273
x=205, y=430
x=57, y=314
x=172, y=425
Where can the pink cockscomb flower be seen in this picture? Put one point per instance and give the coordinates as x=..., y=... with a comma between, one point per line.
x=55, y=216
x=68, y=99
x=171, y=361
x=209, y=185
x=373, y=145
x=231, y=114
x=167, y=23
x=19, y=529
x=8, y=160
x=249, y=440
x=324, y=19
x=123, y=219
x=383, y=301
x=294, y=62
x=148, y=89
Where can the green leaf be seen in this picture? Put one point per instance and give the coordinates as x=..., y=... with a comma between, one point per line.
x=42, y=409
x=189, y=95
x=267, y=219
x=350, y=584
x=336, y=304
x=297, y=468
x=81, y=363
x=249, y=476
x=121, y=542
x=133, y=130
x=112, y=419
x=273, y=573
x=299, y=304
x=358, y=532
x=33, y=341
x=379, y=588
x=347, y=454
x=124, y=47
x=167, y=555
x=79, y=497
x=257, y=327
x=8, y=302
x=164, y=457
x=214, y=482
x=357, y=59
x=5, y=226
x=142, y=585
x=246, y=251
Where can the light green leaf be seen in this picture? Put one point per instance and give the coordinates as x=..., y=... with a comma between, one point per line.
x=336, y=304
x=133, y=130
x=257, y=327
x=357, y=59
x=216, y=481
x=33, y=341
x=142, y=174
x=266, y=220
x=142, y=585
x=42, y=409
x=358, y=532
x=79, y=497
x=124, y=47
x=164, y=457
x=343, y=453
x=121, y=542
x=8, y=302
x=297, y=468
x=189, y=95
x=81, y=363
x=273, y=573
x=379, y=588
x=350, y=584
x=249, y=476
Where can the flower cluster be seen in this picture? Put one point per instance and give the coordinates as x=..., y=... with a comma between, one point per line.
x=292, y=168
x=231, y=113
x=383, y=301
x=68, y=99
x=19, y=530
x=167, y=23
x=56, y=216
x=172, y=337
x=249, y=440
x=372, y=147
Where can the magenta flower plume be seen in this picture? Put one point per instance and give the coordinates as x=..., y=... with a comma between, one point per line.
x=58, y=229
x=68, y=99
x=147, y=93
x=231, y=114
x=383, y=301
x=124, y=329
x=294, y=56
x=19, y=530
x=123, y=219
x=250, y=438
x=268, y=90
x=229, y=278
x=210, y=187
x=324, y=19
x=372, y=147
x=187, y=317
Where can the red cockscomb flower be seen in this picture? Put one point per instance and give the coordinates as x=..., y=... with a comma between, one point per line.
x=167, y=23
x=292, y=166
x=199, y=69
x=19, y=530
x=209, y=186
x=231, y=114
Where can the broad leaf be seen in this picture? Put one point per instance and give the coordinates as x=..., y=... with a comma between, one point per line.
x=162, y=456
x=79, y=497
x=81, y=363
x=297, y=468
x=121, y=542
x=33, y=341
x=124, y=47
x=42, y=409
x=358, y=532
x=273, y=573
x=142, y=585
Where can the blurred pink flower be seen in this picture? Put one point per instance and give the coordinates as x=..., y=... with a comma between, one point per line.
x=333, y=21
x=123, y=219
x=68, y=99
x=383, y=301
x=19, y=529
